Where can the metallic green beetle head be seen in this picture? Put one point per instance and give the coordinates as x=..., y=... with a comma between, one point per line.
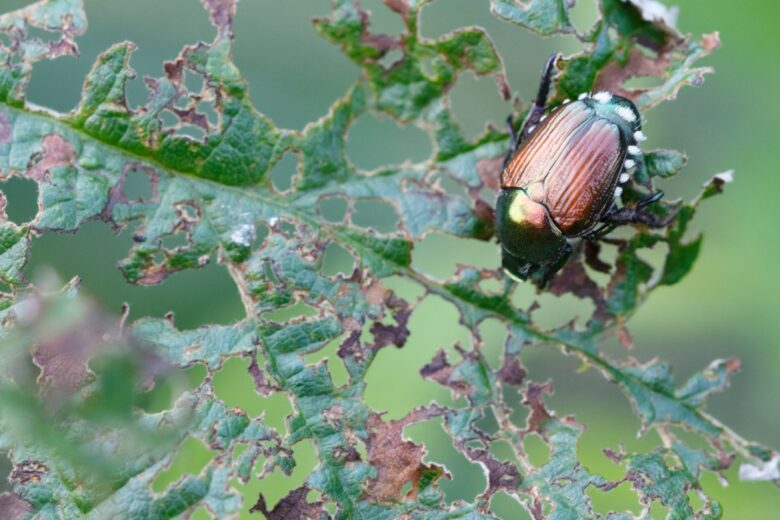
x=531, y=243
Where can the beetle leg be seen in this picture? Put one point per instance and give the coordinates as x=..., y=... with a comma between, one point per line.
x=653, y=197
x=602, y=230
x=636, y=216
x=535, y=116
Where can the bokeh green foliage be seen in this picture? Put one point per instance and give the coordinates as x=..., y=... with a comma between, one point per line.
x=275, y=243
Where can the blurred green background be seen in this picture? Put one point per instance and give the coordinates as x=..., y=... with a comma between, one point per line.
x=726, y=307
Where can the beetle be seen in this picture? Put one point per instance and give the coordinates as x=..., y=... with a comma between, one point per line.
x=560, y=181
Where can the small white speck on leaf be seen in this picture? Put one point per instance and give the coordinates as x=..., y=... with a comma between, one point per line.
x=243, y=235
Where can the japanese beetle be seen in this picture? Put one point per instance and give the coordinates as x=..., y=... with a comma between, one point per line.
x=561, y=180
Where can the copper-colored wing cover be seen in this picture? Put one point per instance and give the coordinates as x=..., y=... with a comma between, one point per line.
x=577, y=156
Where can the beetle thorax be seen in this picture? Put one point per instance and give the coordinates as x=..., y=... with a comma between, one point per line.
x=526, y=228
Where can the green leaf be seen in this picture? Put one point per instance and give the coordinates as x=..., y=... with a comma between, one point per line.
x=542, y=16
x=78, y=446
x=664, y=163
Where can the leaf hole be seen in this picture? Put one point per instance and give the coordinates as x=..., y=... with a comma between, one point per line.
x=607, y=255
x=468, y=479
x=391, y=58
x=237, y=451
x=201, y=513
x=373, y=142
x=507, y=508
x=428, y=66
x=191, y=131
x=169, y=119
x=488, y=422
x=375, y=213
x=695, y=500
x=557, y=311
x=282, y=80
x=276, y=485
x=504, y=451
x=292, y=311
x=269, y=273
x=383, y=20
x=439, y=254
x=193, y=81
x=21, y=199
x=234, y=385
x=514, y=401
x=287, y=228
x=584, y=14
x=658, y=511
x=313, y=495
x=333, y=208
x=434, y=323
x=493, y=334
x=536, y=450
x=440, y=18
x=339, y=375
x=175, y=241
x=337, y=260
x=620, y=498
x=404, y=288
x=137, y=185
x=451, y=186
x=190, y=459
x=205, y=295
x=44, y=35
x=188, y=212
x=182, y=102
x=284, y=173
x=672, y=462
x=476, y=103
x=207, y=108
x=654, y=256
x=261, y=233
